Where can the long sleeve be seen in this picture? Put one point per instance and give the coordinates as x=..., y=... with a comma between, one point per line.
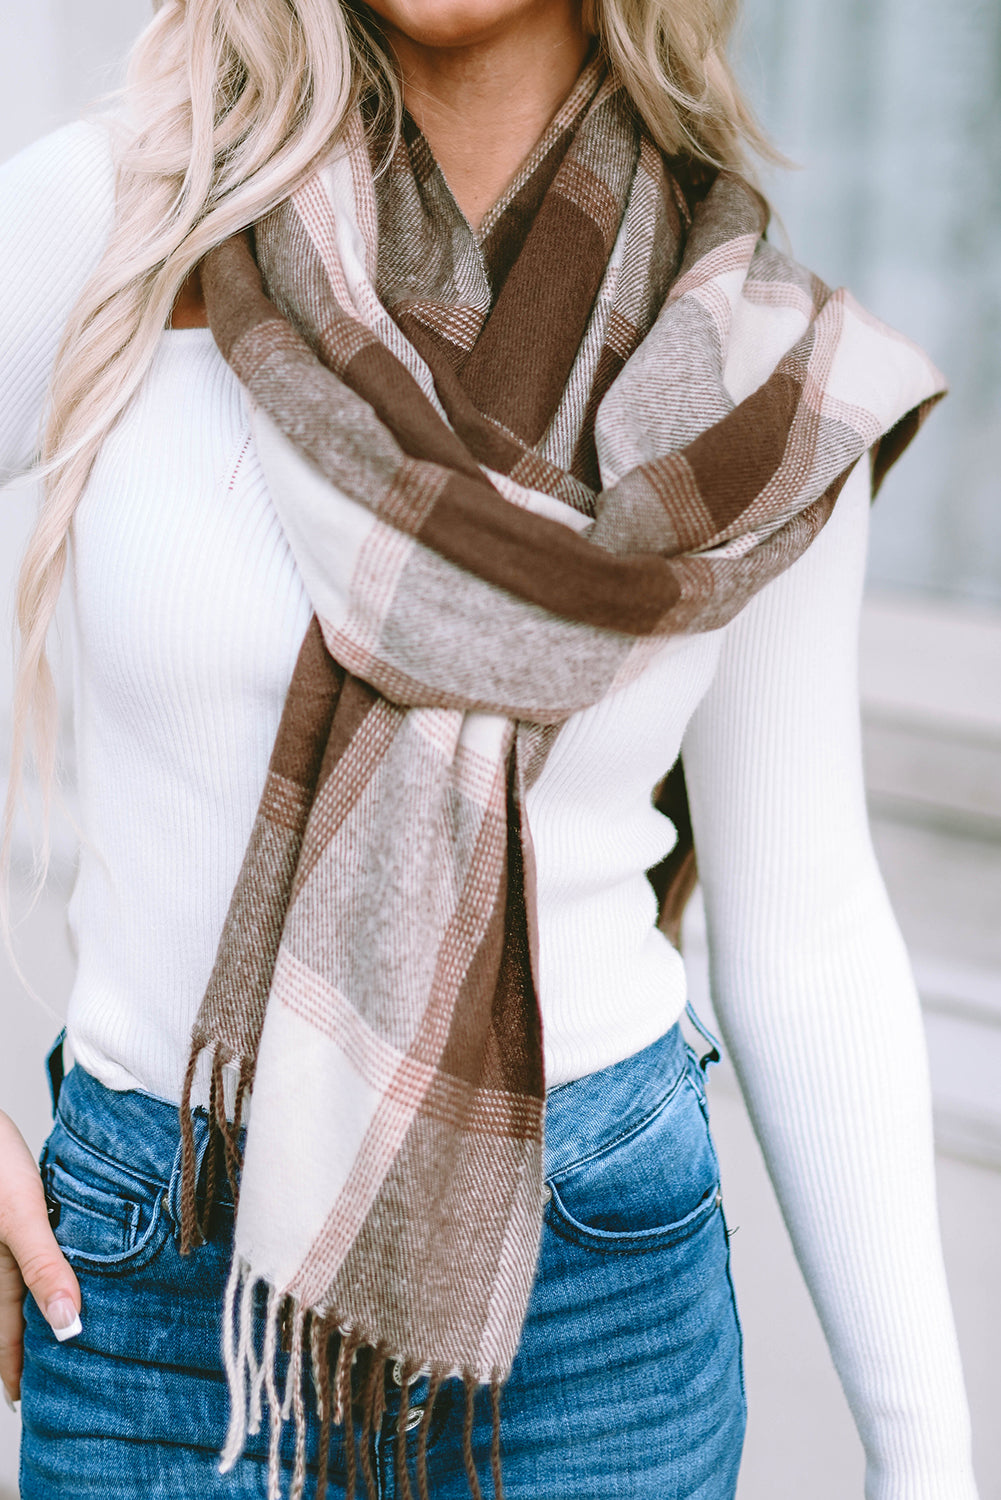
x=816, y=1001
x=56, y=207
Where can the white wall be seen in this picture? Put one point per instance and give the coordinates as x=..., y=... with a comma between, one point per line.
x=55, y=56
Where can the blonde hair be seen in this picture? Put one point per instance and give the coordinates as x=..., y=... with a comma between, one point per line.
x=230, y=105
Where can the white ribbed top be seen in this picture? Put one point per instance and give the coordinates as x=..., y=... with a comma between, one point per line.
x=189, y=613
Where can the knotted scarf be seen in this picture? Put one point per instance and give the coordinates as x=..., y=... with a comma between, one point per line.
x=510, y=466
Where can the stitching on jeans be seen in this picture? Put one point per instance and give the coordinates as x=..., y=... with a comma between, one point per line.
x=82, y=1194
x=137, y=1257
x=72, y=1191
x=142, y=1254
x=623, y=1135
x=631, y=1241
x=111, y=1161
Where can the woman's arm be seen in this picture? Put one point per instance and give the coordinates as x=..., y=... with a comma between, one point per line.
x=56, y=207
x=815, y=998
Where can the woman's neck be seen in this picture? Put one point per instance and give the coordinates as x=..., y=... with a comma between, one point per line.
x=483, y=104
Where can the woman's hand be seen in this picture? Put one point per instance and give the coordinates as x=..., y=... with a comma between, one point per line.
x=29, y=1257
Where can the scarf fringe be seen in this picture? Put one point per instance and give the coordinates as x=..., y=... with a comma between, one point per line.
x=343, y=1393
x=223, y=1145
x=350, y=1391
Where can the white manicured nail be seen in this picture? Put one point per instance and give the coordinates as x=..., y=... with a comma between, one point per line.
x=14, y=1406
x=63, y=1318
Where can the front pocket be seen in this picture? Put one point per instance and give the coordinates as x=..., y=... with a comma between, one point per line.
x=103, y=1219
x=88, y=1221
x=655, y=1184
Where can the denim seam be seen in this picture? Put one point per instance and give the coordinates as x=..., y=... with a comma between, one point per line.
x=624, y=1135
x=697, y=1075
x=631, y=1241
x=95, y=1151
x=736, y=1310
x=66, y=1194
x=137, y=1257
x=172, y=1187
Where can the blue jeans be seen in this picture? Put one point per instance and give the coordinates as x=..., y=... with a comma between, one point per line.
x=628, y=1381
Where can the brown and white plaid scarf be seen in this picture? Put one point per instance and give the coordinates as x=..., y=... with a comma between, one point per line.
x=509, y=465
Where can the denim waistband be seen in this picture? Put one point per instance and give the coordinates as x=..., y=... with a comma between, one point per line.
x=141, y=1132
x=134, y=1130
x=583, y=1115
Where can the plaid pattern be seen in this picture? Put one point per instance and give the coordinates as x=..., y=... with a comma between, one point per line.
x=509, y=465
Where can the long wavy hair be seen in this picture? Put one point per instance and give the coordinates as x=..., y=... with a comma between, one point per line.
x=229, y=106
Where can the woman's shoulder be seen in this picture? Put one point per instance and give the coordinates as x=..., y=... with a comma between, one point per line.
x=57, y=204
x=63, y=183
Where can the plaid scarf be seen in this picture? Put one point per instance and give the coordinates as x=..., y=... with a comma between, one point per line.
x=510, y=465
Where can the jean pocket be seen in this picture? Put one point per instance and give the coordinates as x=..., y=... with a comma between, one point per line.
x=654, y=1185
x=104, y=1218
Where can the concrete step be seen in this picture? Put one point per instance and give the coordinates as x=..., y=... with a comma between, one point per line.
x=933, y=774
x=930, y=678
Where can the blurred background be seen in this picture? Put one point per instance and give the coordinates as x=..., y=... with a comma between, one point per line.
x=892, y=108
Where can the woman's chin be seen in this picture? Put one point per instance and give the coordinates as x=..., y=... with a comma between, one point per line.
x=449, y=23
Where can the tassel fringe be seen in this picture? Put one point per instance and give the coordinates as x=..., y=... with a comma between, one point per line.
x=495, y=1453
x=349, y=1385
x=403, y=1490
x=224, y=1141
x=320, y=1350
x=467, y=1438
x=422, y=1438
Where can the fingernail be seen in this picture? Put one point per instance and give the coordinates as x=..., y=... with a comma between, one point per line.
x=63, y=1318
x=14, y=1406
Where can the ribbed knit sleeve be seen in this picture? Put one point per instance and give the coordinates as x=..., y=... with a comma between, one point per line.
x=56, y=208
x=815, y=998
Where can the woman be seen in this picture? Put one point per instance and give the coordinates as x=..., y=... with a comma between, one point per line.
x=514, y=457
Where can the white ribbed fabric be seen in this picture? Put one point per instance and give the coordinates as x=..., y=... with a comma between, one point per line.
x=189, y=613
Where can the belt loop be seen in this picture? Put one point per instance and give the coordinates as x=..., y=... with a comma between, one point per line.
x=55, y=1067
x=713, y=1055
